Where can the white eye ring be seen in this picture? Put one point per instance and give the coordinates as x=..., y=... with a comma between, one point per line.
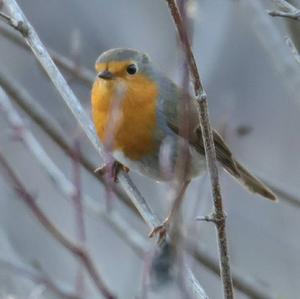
x=132, y=69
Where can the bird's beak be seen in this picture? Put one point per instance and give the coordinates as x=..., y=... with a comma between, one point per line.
x=106, y=75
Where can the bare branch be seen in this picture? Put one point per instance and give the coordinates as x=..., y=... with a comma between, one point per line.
x=209, y=150
x=289, y=11
x=209, y=218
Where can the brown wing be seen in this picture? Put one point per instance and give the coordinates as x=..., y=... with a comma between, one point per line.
x=224, y=155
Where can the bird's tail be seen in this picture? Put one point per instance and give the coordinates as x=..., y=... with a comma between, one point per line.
x=251, y=182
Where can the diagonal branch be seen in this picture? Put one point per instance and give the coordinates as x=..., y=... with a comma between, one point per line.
x=18, y=25
x=209, y=150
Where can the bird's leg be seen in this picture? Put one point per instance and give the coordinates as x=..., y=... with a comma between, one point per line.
x=162, y=229
x=113, y=170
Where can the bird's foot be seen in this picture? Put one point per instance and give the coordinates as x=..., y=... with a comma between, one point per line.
x=111, y=169
x=160, y=231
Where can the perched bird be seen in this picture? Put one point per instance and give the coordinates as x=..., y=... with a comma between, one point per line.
x=149, y=115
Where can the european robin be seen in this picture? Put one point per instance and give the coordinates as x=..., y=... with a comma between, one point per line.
x=149, y=115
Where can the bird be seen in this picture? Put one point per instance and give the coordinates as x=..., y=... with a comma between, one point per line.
x=136, y=110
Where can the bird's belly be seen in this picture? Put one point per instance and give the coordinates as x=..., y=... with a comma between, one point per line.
x=162, y=166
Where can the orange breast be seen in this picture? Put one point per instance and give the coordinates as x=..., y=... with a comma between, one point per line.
x=134, y=132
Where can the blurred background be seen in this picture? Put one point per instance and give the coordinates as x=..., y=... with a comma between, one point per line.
x=253, y=84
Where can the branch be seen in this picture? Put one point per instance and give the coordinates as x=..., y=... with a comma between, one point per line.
x=289, y=11
x=209, y=151
x=18, y=25
x=78, y=252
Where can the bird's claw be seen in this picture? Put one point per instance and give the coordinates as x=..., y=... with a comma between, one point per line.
x=113, y=169
x=160, y=231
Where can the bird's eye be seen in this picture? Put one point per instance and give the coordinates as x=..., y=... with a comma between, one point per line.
x=131, y=69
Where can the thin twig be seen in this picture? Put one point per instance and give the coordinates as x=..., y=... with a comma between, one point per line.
x=210, y=218
x=77, y=251
x=209, y=151
x=18, y=25
x=289, y=11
